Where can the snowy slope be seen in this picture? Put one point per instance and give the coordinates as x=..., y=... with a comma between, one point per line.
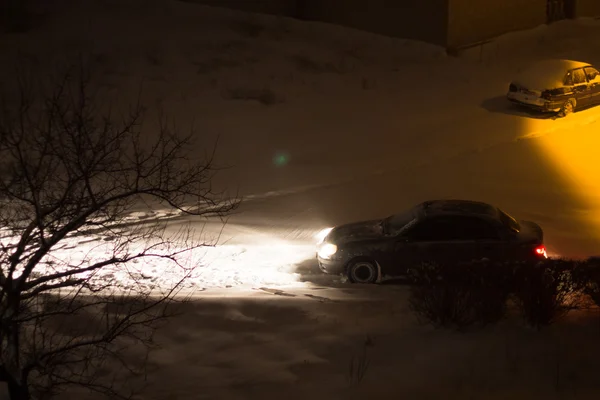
x=368, y=125
x=322, y=124
x=302, y=347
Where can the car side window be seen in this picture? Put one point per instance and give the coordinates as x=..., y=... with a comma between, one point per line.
x=579, y=76
x=591, y=73
x=433, y=230
x=568, y=81
x=473, y=228
x=453, y=229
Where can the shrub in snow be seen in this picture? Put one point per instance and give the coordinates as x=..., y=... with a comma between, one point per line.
x=587, y=277
x=475, y=294
x=461, y=295
x=547, y=290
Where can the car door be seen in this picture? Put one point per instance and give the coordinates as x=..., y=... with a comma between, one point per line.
x=471, y=238
x=435, y=239
x=581, y=88
x=485, y=237
x=593, y=78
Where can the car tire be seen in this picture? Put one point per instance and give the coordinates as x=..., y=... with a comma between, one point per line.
x=362, y=271
x=567, y=108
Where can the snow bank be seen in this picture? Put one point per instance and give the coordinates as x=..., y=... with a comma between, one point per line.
x=360, y=118
x=577, y=39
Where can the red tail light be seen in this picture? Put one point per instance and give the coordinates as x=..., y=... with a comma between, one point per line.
x=541, y=251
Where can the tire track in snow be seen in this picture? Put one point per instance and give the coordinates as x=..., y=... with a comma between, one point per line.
x=551, y=127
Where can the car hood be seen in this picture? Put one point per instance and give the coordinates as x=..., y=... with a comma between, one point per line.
x=542, y=76
x=530, y=232
x=356, y=231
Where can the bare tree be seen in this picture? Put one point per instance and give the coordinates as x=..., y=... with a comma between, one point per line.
x=69, y=176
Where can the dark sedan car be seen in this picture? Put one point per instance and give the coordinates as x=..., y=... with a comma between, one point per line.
x=435, y=231
x=558, y=86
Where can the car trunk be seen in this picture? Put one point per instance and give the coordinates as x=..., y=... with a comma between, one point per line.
x=530, y=232
x=520, y=88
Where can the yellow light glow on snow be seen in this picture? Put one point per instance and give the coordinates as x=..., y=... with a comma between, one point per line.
x=573, y=149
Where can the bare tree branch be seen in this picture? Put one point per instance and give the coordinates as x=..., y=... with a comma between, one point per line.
x=71, y=172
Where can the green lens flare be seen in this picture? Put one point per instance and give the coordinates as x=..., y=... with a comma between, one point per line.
x=281, y=159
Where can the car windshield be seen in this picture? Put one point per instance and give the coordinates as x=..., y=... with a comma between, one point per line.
x=509, y=221
x=394, y=224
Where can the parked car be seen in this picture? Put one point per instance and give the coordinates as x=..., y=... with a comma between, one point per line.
x=436, y=231
x=557, y=86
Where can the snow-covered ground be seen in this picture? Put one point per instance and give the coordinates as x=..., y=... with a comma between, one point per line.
x=302, y=347
x=322, y=125
x=253, y=260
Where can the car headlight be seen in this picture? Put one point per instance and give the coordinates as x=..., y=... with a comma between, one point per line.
x=322, y=235
x=327, y=250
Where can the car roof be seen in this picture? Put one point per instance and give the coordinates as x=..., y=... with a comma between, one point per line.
x=547, y=74
x=457, y=207
x=561, y=65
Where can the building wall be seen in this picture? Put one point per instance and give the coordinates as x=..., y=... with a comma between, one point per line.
x=449, y=23
x=472, y=21
x=277, y=7
x=587, y=8
x=424, y=20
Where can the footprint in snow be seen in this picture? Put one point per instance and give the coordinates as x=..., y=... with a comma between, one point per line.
x=277, y=292
x=319, y=298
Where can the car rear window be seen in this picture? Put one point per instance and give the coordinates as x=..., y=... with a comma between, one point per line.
x=509, y=221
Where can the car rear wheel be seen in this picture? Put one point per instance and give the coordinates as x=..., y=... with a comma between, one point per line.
x=362, y=271
x=567, y=108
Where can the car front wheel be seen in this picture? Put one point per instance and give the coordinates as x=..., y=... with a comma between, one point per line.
x=362, y=271
x=567, y=108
